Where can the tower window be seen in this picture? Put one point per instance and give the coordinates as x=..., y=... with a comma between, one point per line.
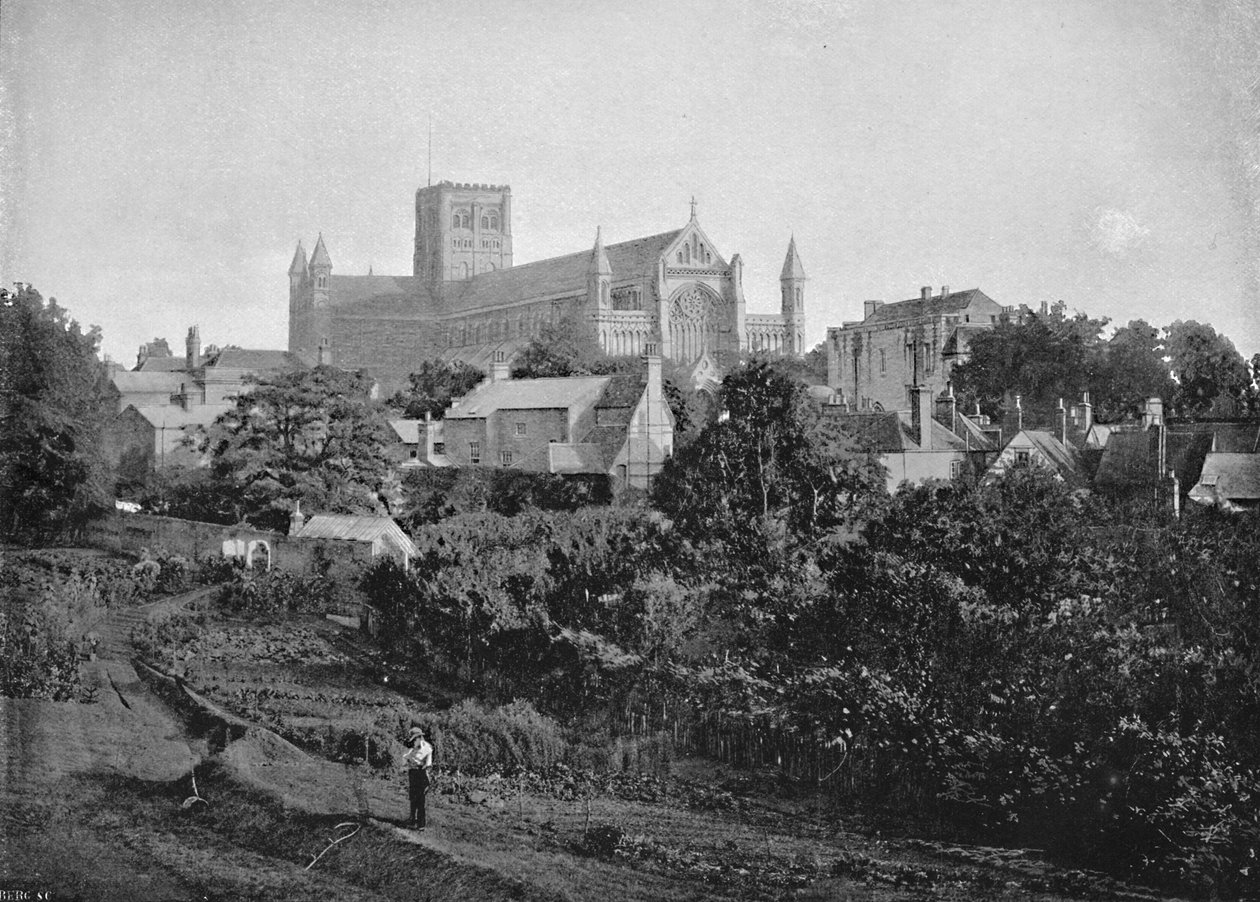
x=455, y=221
x=485, y=222
x=494, y=223
x=321, y=281
x=883, y=363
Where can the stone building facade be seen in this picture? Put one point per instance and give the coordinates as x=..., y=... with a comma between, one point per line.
x=466, y=299
x=877, y=361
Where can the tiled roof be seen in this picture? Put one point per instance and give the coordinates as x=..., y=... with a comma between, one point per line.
x=1126, y=460
x=560, y=392
x=255, y=361
x=173, y=416
x=356, y=528
x=875, y=431
x=936, y=306
x=144, y=381
x=558, y=275
x=162, y=365
x=569, y=458
x=385, y=290
x=408, y=431
x=622, y=392
x=973, y=435
x=1232, y=476
x=1063, y=456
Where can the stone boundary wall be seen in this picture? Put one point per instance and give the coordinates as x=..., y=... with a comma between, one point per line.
x=129, y=533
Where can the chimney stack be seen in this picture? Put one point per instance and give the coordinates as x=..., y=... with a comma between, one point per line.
x=944, y=291
x=296, y=520
x=499, y=370
x=925, y=293
x=921, y=416
x=947, y=408
x=869, y=308
x=1019, y=414
x=1153, y=415
x=1087, y=413
x=1060, y=422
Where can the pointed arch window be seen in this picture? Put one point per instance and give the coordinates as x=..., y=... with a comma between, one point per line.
x=485, y=222
x=321, y=281
x=494, y=223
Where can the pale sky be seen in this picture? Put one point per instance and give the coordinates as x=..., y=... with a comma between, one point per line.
x=161, y=158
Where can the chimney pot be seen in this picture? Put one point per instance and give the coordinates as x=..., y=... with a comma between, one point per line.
x=925, y=293
x=944, y=291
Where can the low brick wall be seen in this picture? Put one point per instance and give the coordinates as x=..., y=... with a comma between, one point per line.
x=130, y=533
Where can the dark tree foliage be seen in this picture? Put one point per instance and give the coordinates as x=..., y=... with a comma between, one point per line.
x=1133, y=370
x=431, y=495
x=309, y=435
x=1207, y=366
x=434, y=385
x=54, y=402
x=1041, y=359
x=768, y=473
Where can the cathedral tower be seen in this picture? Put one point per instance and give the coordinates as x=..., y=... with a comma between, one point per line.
x=462, y=230
x=299, y=305
x=792, y=286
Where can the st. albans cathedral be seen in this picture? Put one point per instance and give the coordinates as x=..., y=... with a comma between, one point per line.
x=466, y=301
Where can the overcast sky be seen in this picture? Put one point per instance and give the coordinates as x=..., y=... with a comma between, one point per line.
x=162, y=158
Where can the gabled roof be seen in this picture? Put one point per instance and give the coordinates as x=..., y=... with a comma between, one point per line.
x=559, y=393
x=1064, y=458
x=1231, y=476
x=792, y=268
x=356, y=528
x=255, y=361
x=558, y=275
x=128, y=381
x=916, y=308
x=571, y=458
x=408, y=431
x=972, y=435
x=173, y=416
x=163, y=364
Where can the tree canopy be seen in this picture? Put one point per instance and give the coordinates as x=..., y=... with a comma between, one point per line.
x=309, y=435
x=433, y=386
x=54, y=401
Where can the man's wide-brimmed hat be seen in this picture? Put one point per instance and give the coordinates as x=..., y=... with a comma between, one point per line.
x=414, y=732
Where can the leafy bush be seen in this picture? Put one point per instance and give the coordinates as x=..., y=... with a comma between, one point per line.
x=276, y=592
x=475, y=739
x=37, y=658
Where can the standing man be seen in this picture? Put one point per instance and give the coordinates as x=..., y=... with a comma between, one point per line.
x=419, y=759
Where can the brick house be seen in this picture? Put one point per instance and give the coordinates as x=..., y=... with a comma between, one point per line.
x=619, y=426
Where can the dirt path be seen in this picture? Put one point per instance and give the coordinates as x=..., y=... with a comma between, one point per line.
x=45, y=745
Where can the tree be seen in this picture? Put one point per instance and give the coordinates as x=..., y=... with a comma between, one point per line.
x=771, y=463
x=434, y=385
x=1207, y=367
x=1133, y=370
x=564, y=348
x=54, y=402
x=1041, y=359
x=308, y=435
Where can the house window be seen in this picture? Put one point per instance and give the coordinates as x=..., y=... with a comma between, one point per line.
x=439, y=447
x=1022, y=458
x=414, y=453
x=474, y=452
x=955, y=469
x=520, y=428
x=505, y=457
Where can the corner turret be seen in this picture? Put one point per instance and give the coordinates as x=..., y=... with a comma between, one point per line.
x=297, y=269
x=599, y=276
x=792, y=284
